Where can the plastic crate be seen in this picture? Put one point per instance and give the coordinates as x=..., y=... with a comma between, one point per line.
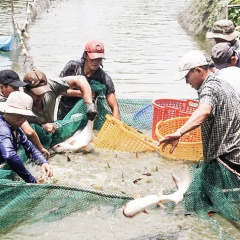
x=190, y=144
x=164, y=109
x=118, y=136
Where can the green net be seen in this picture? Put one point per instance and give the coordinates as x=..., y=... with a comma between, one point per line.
x=32, y=202
x=214, y=187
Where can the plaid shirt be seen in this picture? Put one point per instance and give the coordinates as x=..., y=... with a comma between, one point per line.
x=221, y=130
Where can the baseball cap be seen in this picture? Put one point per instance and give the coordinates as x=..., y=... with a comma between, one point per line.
x=37, y=82
x=10, y=77
x=221, y=53
x=190, y=60
x=18, y=103
x=223, y=29
x=94, y=49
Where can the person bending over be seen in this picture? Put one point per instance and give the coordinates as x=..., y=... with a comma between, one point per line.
x=15, y=111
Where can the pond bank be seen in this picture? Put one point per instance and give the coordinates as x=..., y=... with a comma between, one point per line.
x=198, y=17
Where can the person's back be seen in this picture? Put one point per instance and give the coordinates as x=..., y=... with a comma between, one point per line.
x=232, y=76
x=221, y=129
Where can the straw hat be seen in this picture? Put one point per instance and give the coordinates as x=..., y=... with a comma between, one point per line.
x=18, y=103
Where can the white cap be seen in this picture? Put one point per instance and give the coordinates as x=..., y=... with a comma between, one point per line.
x=188, y=61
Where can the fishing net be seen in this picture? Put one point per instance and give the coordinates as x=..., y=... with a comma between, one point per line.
x=135, y=112
x=21, y=202
x=214, y=187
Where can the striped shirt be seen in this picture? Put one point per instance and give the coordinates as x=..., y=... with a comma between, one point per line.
x=221, y=130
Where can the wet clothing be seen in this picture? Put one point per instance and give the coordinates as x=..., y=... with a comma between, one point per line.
x=10, y=141
x=58, y=87
x=73, y=68
x=221, y=130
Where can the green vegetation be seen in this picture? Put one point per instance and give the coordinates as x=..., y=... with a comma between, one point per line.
x=234, y=12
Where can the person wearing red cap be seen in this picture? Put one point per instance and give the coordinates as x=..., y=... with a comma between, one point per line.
x=90, y=66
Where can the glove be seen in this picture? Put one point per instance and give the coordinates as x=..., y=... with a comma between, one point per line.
x=91, y=112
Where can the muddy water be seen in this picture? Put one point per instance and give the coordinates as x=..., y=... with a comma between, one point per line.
x=144, y=43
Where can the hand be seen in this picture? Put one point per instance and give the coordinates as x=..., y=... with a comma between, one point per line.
x=49, y=127
x=45, y=152
x=91, y=112
x=172, y=139
x=47, y=170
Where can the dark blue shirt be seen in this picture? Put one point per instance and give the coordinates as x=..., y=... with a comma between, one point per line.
x=10, y=141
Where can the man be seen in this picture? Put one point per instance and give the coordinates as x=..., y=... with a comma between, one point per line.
x=224, y=55
x=218, y=113
x=10, y=82
x=45, y=92
x=16, y=109
x=224, y=31
x=90, y=67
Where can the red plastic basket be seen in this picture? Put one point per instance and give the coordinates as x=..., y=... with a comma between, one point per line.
x=164, y=109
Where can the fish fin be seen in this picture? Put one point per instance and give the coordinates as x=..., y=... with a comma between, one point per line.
x=161, y=204
x=160, y=193
x=177, y=180
x=94, y=138
x=145, y=211
x=73, y=142
x=89, y=148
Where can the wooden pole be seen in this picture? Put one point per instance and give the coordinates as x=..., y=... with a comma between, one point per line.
x=12, y=7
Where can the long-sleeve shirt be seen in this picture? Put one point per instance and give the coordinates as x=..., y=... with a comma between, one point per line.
x=10, y=141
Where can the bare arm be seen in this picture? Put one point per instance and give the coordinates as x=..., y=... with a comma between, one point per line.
x=196, y=119
x=113, y=104
x=33, y=137
x=82, y=84
x=74, y=93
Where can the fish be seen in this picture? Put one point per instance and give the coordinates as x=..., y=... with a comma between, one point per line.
x=80, y=140
x=139, y=204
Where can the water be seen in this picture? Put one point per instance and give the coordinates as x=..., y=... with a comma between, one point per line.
x=143, y=42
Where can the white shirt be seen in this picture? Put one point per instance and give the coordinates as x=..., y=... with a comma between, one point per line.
x=232, y=76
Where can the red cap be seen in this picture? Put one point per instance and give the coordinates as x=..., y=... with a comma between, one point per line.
x=94, y=49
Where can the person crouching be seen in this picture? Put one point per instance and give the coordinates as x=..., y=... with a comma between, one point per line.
x=15, y=111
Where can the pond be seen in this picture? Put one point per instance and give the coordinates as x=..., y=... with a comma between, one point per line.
x=143, y=42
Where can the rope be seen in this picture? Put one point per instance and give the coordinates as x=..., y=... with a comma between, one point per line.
x=33, y=8
x=226, y=166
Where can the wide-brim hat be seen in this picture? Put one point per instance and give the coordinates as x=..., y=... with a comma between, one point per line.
x=18, y=103
x=227, y=37
x=223, y=29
